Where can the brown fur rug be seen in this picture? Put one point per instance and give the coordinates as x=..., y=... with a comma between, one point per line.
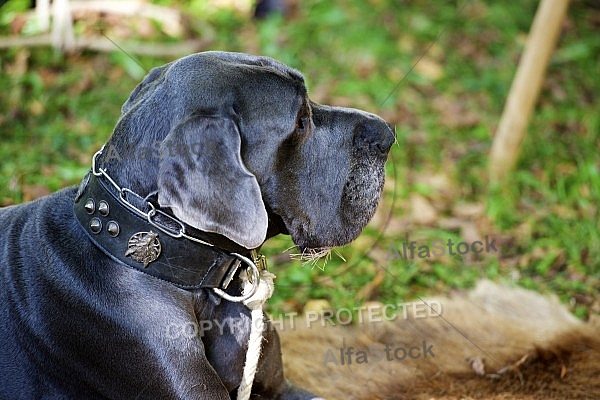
x=493, y=342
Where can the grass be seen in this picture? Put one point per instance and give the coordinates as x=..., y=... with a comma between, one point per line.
x=56, y=110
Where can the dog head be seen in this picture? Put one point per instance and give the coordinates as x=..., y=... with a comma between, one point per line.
x=234, y=146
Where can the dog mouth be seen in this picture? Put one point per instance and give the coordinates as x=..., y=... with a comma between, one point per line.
x=304, y=254
x=322, y=214
x=360, y=195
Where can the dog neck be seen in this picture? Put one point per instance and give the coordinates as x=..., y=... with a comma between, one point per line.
x=137, y=233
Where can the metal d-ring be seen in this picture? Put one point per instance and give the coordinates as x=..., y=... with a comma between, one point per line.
x=254, y=281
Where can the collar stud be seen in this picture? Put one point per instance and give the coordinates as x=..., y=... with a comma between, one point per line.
x=103, y=208
x=90, y=206
x=95, y=225
x=113, y=228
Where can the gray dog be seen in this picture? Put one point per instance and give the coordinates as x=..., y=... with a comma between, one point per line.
x=103, y=287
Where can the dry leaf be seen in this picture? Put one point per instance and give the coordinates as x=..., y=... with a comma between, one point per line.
x=478, y=365
x=422, y=212
x=317, y=306
x=468, y=210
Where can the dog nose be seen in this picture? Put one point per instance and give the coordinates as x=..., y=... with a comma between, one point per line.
x=374, y=136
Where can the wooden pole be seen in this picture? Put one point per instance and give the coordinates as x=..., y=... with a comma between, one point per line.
x=526, y=87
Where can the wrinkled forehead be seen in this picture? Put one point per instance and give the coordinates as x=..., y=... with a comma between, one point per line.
x=226, y=63
x=217, y=78
x=259, y=61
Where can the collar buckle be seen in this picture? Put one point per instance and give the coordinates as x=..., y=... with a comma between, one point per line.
x=252, y=274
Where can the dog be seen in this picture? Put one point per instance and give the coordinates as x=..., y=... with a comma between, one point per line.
x=213, y=154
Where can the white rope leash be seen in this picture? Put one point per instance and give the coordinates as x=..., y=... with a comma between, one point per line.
x=255, y=304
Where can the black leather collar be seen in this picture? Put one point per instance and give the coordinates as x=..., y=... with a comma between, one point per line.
x=147, y=244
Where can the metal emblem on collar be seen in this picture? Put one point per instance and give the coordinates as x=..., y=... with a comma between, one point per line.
x=143, y=247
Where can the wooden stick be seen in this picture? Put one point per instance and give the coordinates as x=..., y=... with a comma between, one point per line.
x=63, y=38
x=526, y=86
x=99, y=43
x=171, y=19
x=62, y=33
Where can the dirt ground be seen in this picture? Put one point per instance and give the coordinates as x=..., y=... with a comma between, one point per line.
x=493, y=342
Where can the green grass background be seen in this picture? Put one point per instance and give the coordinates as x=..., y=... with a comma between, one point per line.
x=57, y=109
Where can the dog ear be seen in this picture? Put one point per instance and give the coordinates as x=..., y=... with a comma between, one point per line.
x=204, y=181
